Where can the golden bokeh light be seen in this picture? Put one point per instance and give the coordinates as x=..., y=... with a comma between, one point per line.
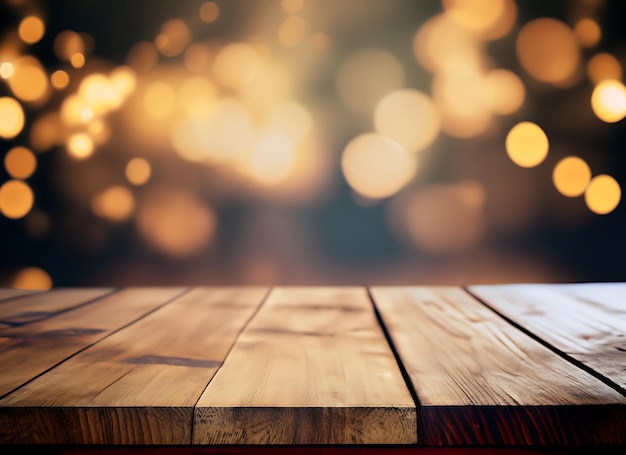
x=209, y=12
x=173, y=37
x=236, y=65
x=75, y=111
x=462, y=99
x=115, y=203
x=548, y=50
x=175, y=222
x=366, y=76
x=138, y=171
x=505, y=23
x=445, y=219
x=99, y=131
x=409, y=117
x=527, y=144
x=377, y=167
x=11, y=117
x=80, y=146
x=77, y=60
x=505, y=91
x=31, y=29
x=68, y=43
x=441, y=44
x=142, y=57
x=475, y=15
x=608, y=101
x=6, y=70
x=16, y=199
x=32, y=278
x=59, y=79
x=292, y=31
x=271, y=158
x=198, y=58
x=604, y=66
x=46, y=132
x=588, y=32
x=603, y=194
x=29, y=82
x=571, y=176
x=291, y=118
x=20, y=162
x=159, y=100
x=123, y=80
x=198, y=96
x=292, y=6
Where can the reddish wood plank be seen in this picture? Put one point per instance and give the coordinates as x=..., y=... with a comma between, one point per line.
x=481, y=381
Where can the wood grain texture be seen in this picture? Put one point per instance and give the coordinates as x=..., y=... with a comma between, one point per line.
x=42, y=305
x=312, y=367
x=480, y=381
x=8, y=293
x=138, y=385
x=29, y=350
x=586, y=321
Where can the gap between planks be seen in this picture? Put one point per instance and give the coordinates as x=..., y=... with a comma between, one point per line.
x=550, y=346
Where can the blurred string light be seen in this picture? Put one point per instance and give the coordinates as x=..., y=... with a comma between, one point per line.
x=238, y=107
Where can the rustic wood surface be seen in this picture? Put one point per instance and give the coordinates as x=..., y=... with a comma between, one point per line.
x=6, y=293
x=312, y=367
x=39, y=306
x=138, y=385
x=29, y=350
x=585, y=321
x=481, y=381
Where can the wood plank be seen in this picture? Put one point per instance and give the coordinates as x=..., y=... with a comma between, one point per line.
x=9, y=293
x=42, y=305
x=29, y=350
x=482, y=381
x=140, y=384
x=312, y=367
x=587, y=321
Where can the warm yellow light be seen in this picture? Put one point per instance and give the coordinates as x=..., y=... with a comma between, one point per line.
x=32, y=278
x=292, y=31
x=504, y=24
x=320, y=41
x=46, y=132
x=291, y=118
x=20, y=162
x=608, y=101
x=505, y=91
x=198, y=96
x=409, y=117
x=115, y=203
x=138, y=171
x=77, y=60
x=603, y=194
x=74, y=110
x=198, y=58
x=123, y=81
x=175, y=222
x=588, y=32
x=29, y=81
x=6, y=70
x=173, y=38
x=67, y=43
x=209, y=12
x=99, y=131
x=445, y=219
x=80, y=145
x=604, y=66
x=571, y=176
x=11, y=118
x=366, y=76
x=31, y=29
x=236, y=65
x=142, y=57
x=548, y=50
x=159, y=100
x=377, y=167
x=527, y=144
x=292, y=6
x=272, y=158
x=475, y=15
x=59, y=79
x=16, y=199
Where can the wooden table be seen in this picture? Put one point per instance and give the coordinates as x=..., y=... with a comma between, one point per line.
x=350, y=369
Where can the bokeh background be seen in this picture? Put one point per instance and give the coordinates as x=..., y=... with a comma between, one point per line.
x=154, y=142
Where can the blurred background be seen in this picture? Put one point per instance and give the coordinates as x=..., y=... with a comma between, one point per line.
x=311, y=142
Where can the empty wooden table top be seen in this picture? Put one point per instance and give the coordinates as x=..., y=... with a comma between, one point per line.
x=520, y=365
